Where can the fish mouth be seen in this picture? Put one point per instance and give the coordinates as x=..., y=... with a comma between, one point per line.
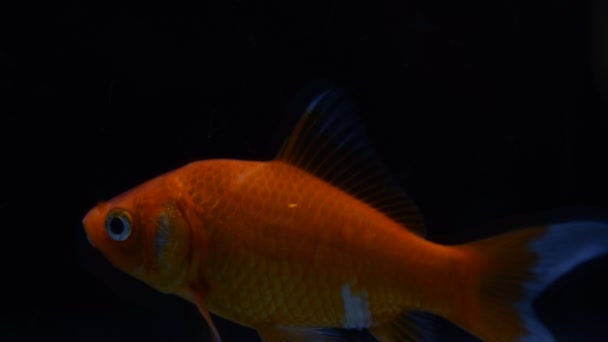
x=86, y=232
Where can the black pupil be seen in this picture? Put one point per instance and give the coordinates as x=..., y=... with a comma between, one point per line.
x=117, y=226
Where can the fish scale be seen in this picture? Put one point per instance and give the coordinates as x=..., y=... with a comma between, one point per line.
x=277, y=248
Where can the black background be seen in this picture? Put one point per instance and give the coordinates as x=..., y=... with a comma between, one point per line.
x=490, y=113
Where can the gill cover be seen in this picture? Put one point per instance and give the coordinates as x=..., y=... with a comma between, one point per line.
x=170, y=246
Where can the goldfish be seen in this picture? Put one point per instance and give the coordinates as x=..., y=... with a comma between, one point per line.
x=321, y=240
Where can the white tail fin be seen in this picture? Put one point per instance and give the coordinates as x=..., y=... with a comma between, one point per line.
x=516, y=267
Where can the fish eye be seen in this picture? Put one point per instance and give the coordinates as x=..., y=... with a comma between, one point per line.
x=118, y=224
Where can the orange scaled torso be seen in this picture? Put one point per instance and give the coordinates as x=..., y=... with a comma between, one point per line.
x=275, y=245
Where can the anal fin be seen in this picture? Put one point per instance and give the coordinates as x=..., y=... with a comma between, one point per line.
x=286, y=334
x=413, y=326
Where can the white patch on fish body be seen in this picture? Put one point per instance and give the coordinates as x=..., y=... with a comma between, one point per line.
x=357, y=314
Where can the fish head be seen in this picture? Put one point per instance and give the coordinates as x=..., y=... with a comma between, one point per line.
x=144, y=233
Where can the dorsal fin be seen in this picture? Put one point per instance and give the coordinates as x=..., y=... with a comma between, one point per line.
x=330, y=142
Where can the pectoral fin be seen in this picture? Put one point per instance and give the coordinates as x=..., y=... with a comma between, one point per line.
x=199, y=299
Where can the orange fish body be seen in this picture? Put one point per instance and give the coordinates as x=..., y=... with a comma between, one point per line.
x=311, y=242
x=275, y=233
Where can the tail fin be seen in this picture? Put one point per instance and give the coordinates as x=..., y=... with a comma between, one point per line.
x=513, y=269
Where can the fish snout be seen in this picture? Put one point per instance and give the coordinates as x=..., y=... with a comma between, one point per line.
x=94, y=223
x=86, y=231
